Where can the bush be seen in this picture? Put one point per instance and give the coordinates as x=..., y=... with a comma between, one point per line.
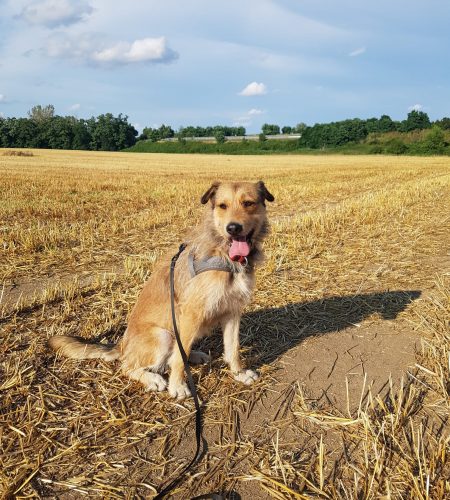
x=396, y=147
x=262, y=137
x=220, y=137
x=376, y=149
x=434, y=142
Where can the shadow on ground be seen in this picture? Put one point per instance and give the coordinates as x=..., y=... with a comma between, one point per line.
x=269, y=333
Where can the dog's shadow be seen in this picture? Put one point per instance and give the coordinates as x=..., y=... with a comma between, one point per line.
x=268, y=333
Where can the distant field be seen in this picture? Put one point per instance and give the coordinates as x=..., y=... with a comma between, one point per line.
x=348, y=328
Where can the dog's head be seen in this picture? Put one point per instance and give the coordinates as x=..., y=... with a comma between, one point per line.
x=239, y=214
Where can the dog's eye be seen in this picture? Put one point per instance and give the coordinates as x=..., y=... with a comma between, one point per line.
x=223, y=206
x=248, y=203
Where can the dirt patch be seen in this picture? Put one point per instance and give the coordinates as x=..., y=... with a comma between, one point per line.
x=334, y=363
x=373, y=352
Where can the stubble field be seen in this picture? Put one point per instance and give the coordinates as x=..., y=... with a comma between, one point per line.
x=349, y=329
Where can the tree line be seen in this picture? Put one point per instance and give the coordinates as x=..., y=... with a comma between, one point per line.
x=318, y=136
x=272, y=129
x=106, y=132
x=219, y=132
x=167, y=132
x=416, y=135
x=43, y=129
x=325, y=135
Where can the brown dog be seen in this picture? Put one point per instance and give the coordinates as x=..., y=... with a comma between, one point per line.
x=214, y=278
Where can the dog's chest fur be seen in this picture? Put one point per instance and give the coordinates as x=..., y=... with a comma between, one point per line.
x=227, y=295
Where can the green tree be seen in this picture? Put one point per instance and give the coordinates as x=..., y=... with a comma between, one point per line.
x=151, y=134
x=166, y=132
x=416, y=120
x=110, y=133
x=81, y=136
x=323, y=135
x=189, y=131
x=270, y=129
x=372, y=125
x=59, y=132
x=300, y=128
x=25, y=133
x=385, y=124
x=444, y=123
x=6, y=138
x=287, y=130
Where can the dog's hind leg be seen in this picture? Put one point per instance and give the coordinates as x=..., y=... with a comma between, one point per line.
x=145, y=354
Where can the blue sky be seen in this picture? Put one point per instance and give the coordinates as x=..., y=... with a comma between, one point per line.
x=246, y=62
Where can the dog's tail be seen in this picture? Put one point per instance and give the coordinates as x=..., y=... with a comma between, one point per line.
x=80, y=348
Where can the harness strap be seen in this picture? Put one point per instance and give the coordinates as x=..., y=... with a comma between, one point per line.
x=214, y=263
x=190, y=381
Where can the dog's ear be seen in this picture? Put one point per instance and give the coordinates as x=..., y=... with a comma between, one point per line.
x=264, y=192
x=210, y=193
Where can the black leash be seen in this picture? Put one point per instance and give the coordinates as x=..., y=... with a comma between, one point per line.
x=190, y=381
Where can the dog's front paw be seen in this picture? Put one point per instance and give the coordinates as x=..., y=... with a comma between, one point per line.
x=246, y=377
x=179, y=390
x=155, y=382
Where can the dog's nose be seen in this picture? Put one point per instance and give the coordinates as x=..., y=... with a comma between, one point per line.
x=233, y=228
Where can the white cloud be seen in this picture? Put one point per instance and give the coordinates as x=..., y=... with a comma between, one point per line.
x=254, y=88
x=416, y=107
x=91, y=49
x=255, y=111
x=75, y=107
x=357, y=52
x=2, y=97
x=2, y=115
x=53, y=13
x=145, y=50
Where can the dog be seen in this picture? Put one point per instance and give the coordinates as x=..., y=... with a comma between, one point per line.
x=214, y=279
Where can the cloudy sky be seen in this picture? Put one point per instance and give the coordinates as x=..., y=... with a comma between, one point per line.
x=240, y=62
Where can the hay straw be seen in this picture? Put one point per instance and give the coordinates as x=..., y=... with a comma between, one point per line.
x=352, y=238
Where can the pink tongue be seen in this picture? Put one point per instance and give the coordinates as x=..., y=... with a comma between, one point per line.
x=239, y=248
